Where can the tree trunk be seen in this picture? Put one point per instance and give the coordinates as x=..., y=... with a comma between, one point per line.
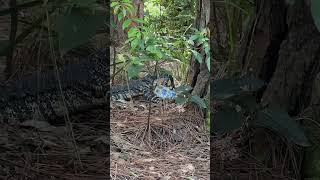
x=119, y=36
x=285, y=51
x=4, y=35
x=198, y=73
x=139, y=5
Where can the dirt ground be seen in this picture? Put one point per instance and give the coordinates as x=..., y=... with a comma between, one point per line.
x=38, y=150
x=175, y=147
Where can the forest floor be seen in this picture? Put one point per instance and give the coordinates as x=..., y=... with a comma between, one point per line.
x=39, y=150
x=176, y=147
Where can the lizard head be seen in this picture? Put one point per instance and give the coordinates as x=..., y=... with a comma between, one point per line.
x=164, y=80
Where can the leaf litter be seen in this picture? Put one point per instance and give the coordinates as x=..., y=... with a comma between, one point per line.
x=176, y=147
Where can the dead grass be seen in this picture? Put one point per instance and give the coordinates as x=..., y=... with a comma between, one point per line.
x=176, y=148
x=36, y=153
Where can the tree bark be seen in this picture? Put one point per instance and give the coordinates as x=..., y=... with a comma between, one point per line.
x=198, y=73
x=285, y=52
x=139, y=5
x=119, y=36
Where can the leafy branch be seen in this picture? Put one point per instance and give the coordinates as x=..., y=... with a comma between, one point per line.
x=238, y=103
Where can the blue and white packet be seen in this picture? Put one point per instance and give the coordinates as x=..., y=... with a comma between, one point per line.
x=165, y=93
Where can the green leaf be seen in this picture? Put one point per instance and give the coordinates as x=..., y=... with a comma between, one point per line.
x=126, y=23
x=181, y=99
x=135, y=43
x=129, y=7
x=315, y=6
x=141, y=43
x=116, y=9
x=226, y=120
x=124, y=12
x=279, y=121
x=198, y=101
x=159, y=54
x=208, y=62
x=197, y=55
x=184, y=88
x=139, y=20
x=138, y=35
x=206, y=48
x=76, y=27
x=151, y=48
x=113, y=4
x=120, y=16
x=113, y=25
x=145, y=58
x=135, y=60
x=194, y=37
x=132, y=32
x=190, y=42
x=229, y=87
x=134, y=70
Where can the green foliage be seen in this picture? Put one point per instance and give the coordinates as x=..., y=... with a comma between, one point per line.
x=315, y=6
x=134, y=69
x=170, y=21
x=200, y=42
x=184, y=96
x=122, y=8
x=171, y=17
x=238, y=18
x=77, y=25
x=228, y=88
x=237, y=95
x=181, y=100
x=126, y=24
x=75, y=22
x=184, y=88
x=145, y=42
x=198, y=101
x=276, y=119
x=152, y=9
x=146, y=45
x=155, y=39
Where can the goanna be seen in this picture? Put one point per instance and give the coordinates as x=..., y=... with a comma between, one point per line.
x=82, y=87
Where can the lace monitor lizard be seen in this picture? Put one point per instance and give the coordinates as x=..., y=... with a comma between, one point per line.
x=141, y=87
x=84, y=87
